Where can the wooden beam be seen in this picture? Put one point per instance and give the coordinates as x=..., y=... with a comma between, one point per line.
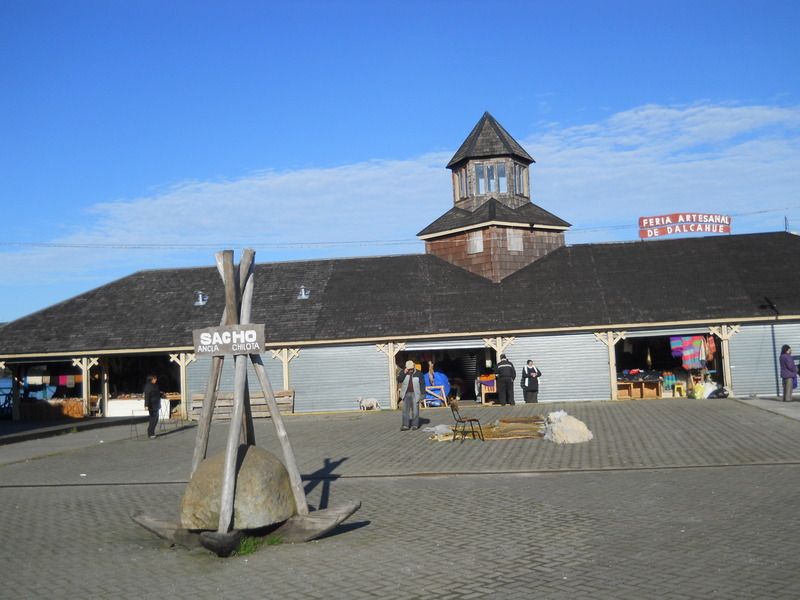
x=610, y=339
x=390, y=350
x=183, y=359
x=85, y=364
x=724, y=333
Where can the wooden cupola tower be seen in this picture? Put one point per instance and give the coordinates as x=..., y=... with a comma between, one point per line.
x=493, y=228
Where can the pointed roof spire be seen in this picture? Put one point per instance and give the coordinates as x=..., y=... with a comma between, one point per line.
x=489, y=139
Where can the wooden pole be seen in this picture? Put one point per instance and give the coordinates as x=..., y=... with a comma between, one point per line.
x=232, y=309
x=288, y=455
x=232, y=448
x=246, y=282
x=217, y=362
x=238, y=308
x=209, y=401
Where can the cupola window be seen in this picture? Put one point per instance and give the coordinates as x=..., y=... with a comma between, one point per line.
x=501, y=178
x=480, y=179
x=490, y=178
x=520, y=179
x=461, y=179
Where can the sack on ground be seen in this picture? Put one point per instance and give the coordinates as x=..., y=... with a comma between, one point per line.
x=564, y=429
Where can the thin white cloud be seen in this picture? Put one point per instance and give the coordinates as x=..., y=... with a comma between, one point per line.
x=654, y=160
x=646, y=161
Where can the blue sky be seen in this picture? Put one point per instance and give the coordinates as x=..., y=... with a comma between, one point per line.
x=138, y=134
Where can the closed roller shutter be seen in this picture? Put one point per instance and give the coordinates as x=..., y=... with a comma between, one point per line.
x=574, y=367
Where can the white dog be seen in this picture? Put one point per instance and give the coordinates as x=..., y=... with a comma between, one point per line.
x=369, y=404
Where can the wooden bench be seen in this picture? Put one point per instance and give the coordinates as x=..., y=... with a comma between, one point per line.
x=223, y=409
x=639, y=389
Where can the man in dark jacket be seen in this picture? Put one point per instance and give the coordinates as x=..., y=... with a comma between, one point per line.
x=152, y=402
x=506, y=374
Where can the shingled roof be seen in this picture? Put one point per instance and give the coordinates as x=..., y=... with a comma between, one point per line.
x=590, y=286
x=492, y=211
x=720, y=278
x=488, y=139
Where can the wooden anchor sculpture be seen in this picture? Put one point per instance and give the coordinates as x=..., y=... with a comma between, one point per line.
x=303, y=526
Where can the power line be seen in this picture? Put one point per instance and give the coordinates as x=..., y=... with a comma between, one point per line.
x=302, y=245
x=211, y=246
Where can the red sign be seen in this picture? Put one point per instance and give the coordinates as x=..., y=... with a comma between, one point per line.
x=650, y=227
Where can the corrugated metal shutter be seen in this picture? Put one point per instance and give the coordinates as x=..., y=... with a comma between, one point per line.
x=698, y=330
x=574, y=367
x=332, y=378
x=461, y=344
x=754, y=353
x=198, y=371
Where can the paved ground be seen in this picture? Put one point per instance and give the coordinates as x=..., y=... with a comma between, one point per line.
x=673, y=498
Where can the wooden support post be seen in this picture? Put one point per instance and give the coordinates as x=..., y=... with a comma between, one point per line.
x=14, y=392
x=725, y=333
x=85, y=364
x=390, y=350
x=104, y=386
x=285, y=355
x=183, y=360
x=610, y=338
x=499, y=345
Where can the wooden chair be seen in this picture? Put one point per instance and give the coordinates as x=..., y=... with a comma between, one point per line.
x=437, y=391
x=462, y=422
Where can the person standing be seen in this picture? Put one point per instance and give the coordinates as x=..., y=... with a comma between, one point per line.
x=412, y=390
x=506, y=374
x=152, y=402
x=530, y=382
x=788, y=372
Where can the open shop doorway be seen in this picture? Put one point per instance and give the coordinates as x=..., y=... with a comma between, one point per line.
x=461, y=366
x=686, y=364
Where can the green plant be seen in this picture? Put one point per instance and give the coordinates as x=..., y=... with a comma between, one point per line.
x=274, y=541
x=249, y=545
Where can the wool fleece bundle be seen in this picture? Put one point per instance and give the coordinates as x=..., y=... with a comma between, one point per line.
x=564, y=429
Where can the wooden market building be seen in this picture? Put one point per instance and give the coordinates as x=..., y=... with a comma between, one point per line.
x=496, y=277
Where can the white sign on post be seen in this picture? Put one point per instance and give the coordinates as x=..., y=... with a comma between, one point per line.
x=232, y=339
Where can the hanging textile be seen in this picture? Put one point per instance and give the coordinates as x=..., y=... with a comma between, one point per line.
x=692, y=350
x=712, y=347
x=693, y=355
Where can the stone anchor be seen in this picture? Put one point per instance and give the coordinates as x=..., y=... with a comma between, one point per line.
x=243, y=488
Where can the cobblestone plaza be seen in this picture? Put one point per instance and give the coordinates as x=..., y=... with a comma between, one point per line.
x=673, y=498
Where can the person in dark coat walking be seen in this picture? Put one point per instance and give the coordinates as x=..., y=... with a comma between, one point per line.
x=530, y=382
x=506, y=374
x=788, y=372
x=152, y=402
